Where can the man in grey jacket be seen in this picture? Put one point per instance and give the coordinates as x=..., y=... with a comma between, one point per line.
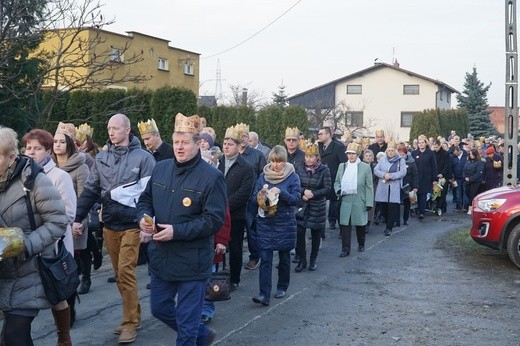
x=118, y=177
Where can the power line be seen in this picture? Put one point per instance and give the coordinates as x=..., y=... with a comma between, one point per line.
x=256, y=33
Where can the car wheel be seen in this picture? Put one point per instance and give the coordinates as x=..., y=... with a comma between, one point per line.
x=513, y=245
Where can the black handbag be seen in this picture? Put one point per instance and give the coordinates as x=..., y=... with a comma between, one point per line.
x=405, y=191
x=218, y=287
x=300, y=212
x=59, y=275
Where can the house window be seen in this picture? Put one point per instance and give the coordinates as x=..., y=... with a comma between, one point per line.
x=354, y=119
x=162, y=64
x=188, y=68
x=151, y=52
x=354, y=89
x=407, y=118
x=116, y=55
x=411, y=89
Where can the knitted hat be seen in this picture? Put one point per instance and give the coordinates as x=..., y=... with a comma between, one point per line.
x=208, y=139
x=490, y=150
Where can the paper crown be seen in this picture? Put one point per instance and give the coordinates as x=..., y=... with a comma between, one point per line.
x=243, y=130
x=66, y=129
x=292, y=132
x=391, y=144
x=365, y=140
x=203, y=122
x=380, y=132
x=311, y=148
x=147, y=127
x=82, y=131
x=187, y=124
x=233, y=133
x=353, y=148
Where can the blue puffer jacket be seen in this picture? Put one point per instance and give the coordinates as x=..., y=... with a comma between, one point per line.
x=278, y=232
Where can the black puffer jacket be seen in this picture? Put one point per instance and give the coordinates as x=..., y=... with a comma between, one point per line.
x=320, y=185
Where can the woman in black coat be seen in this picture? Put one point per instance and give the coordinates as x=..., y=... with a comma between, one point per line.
x=427, y=169
x=411, y=179
x=315, y=185
x=473, y=176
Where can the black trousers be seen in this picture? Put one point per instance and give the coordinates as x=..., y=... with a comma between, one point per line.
x=346, y=236
x=235, y=249
x=17, y=330
x=301, y=250
x=392, y=211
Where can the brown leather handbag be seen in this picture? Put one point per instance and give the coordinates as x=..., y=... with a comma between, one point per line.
x=218, y=287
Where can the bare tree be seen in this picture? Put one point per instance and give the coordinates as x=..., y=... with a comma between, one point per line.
x=240, y=95
x=79, y=56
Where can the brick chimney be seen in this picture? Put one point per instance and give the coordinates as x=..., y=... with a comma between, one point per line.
x=396, y=63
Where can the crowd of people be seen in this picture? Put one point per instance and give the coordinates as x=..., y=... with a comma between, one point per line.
x=187, y=207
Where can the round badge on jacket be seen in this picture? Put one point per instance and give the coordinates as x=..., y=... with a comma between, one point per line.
x=186, y=201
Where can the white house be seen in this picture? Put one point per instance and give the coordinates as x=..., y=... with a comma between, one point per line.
x=383, y=96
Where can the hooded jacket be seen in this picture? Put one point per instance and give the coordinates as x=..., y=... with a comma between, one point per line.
x=118, y=177
x=20, y=283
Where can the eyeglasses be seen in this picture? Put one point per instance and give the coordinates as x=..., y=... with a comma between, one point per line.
x=291, y=139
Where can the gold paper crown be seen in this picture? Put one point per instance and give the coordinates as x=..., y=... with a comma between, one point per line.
x=292, y=132
x=203, y=122
x=365, y=140
x=477, y=144
x=233, y=133
x=187, y=124
x=353, y=148
x=242, y=130
x=391, y=144
x=380, y=132
x=311, y=149
x=66, y=129
x=147, y=127
x=82, y=131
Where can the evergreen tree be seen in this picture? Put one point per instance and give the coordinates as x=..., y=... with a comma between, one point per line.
x=280, y=98
x=474, y=100
x=19, y=73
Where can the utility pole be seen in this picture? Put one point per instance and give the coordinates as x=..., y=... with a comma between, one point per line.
x=511, y=106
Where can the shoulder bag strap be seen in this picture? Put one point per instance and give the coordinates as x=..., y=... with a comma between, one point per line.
x=29, y=208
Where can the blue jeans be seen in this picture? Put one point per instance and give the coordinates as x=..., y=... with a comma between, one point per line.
x=459, y=197
x=183, y=317
x=208, y=308
x=266, y=269
x=254, y=253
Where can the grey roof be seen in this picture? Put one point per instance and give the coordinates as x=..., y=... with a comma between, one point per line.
x=209, y=101
x=376, y=66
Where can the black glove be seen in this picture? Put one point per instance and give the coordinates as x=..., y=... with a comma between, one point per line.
x=369, y=208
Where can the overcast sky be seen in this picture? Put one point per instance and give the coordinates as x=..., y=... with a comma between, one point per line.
x=319, y=41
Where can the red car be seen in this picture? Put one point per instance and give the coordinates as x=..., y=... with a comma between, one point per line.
x=496, y=220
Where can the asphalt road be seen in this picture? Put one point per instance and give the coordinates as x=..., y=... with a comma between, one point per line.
x=407, y=289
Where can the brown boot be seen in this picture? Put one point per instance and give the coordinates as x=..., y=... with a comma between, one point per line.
x=62, y=321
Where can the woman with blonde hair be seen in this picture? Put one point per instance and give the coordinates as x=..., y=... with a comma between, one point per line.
x=276, y=194
x=23, y=295
x=390, y=170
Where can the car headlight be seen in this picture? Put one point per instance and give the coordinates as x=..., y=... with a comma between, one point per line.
x=490, y=204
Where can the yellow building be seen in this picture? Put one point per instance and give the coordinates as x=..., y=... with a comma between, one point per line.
x=92, y=58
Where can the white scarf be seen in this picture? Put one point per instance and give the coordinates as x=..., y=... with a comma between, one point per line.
x=349, y=179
